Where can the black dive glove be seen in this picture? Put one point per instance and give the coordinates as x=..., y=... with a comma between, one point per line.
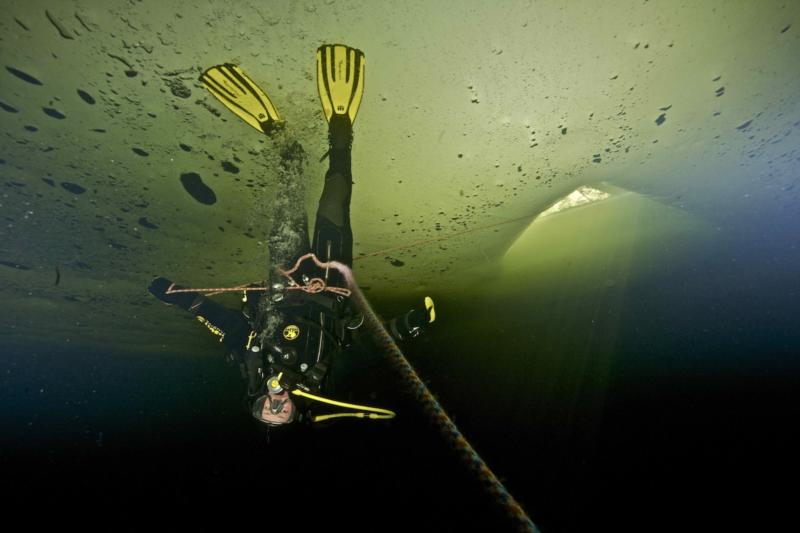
x=158, y=288
x=414, y=322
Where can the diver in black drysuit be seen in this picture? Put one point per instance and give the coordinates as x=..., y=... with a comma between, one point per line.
x=293, y=337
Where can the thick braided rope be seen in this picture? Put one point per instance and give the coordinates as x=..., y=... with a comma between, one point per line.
x=433, y=409
x=417, y=389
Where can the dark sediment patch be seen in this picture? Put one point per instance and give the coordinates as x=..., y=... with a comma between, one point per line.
x=98, y=130
x=86, y=97
x=74, y=188
x=24, y=76
x=8, y=108
x=116, y=245
x=49, y=182
x=563, y=131
x=665, y=108
x=83, y=22
x=185, y=147
x=147, y=224
x=177, y=88
x=743, y=126
x=50, y=112
x=395, y=262
x=131, y=73
x=227, y=166
x=121, y=60
x=31, y=128
x=198, y=190
x=11, y=264
x=661, y=119
x=139, y=151
x=62, y=30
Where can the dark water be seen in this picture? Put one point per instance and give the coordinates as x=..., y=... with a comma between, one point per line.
x=162, y=443
x=668, y=403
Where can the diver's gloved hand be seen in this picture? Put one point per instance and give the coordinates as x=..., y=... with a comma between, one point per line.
x=158, y=288
x=414, y=322
x=430, y=311
x=419, y=317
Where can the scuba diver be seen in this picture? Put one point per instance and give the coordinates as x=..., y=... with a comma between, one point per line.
x=295, y=344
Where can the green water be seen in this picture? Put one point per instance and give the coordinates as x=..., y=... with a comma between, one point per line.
x=619, y=359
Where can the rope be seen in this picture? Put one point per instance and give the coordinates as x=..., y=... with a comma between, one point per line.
x=314, y=285
x=212, y=292
x=417, y=388
x=317, y=285
x=431, y=406
x=422, y=242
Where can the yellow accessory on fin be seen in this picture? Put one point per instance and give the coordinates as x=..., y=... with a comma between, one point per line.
x=340, y=79
x=431, y=310
x=231, y=86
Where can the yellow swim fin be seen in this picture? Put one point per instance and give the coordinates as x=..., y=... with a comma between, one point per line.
x=340, y=79
x=231, y=86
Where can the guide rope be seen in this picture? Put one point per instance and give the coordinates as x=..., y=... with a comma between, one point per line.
x=414, y=384
x=431, y=406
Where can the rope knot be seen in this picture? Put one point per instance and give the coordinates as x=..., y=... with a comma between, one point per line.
x=314, y=286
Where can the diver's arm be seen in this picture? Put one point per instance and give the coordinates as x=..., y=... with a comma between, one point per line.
x=160, y=288
x=229, y=325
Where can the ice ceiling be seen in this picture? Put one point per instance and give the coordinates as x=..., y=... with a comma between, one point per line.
x=477, y=116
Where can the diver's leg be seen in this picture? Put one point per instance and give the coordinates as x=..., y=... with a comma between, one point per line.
x=333, y=236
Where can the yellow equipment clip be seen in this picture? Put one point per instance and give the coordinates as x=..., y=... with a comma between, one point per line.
x=250, y=340
x=211, y=327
